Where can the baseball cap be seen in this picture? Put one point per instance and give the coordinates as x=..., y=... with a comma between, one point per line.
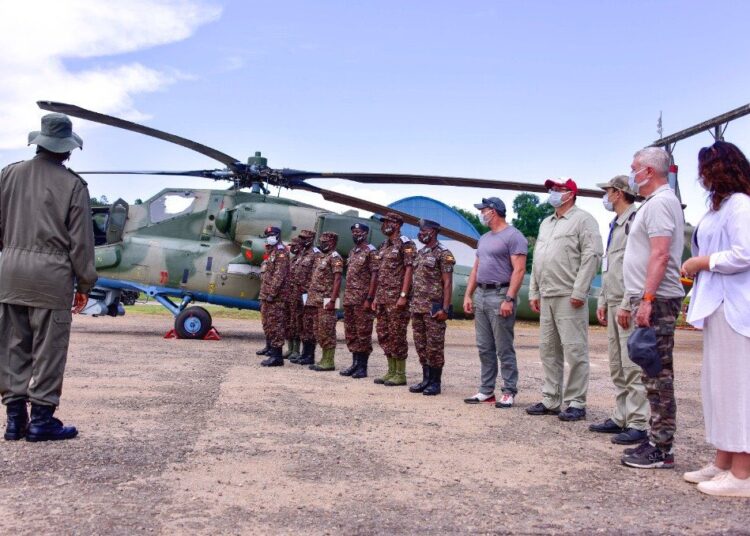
x=562, y=182
x=643, y=350
x=492, y=202
x=620, y=182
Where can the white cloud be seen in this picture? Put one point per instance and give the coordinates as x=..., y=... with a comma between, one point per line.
x=37, y=37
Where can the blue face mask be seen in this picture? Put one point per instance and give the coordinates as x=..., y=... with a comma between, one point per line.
x=607, y=203
x=555, y=198
x=635, y=186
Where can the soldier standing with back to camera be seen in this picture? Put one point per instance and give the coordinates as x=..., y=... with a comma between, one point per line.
x=293, y=303
x=325, y=287
x=361, y=277
x=308, y=255
x=396, y=259
x=430, y=303
x=273, y=306
x=47, y=244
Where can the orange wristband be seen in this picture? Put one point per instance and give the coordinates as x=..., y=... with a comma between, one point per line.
x=648, y=297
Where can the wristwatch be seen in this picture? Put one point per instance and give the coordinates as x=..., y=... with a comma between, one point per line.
x=510, y=299
x=403, y=294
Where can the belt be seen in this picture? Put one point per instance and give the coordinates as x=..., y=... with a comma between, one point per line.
x=490, y=286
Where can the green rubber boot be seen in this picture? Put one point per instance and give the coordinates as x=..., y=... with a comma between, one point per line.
x=399, y=373
x=295, y=349
x=387, y=374
x=289, y=349
x=326, y=362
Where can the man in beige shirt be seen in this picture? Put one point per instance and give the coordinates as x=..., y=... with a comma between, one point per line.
x=566, y=258
x=629, y=419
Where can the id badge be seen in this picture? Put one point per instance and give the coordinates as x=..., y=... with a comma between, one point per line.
x=605, y=263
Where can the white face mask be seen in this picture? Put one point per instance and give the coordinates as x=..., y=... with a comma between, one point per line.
x=607, y=203
x=486, y=218
x=555, y=198
x=635, y=186
x=272, y=240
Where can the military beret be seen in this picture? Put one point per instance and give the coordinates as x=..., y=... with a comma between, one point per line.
x=392, y=216
x=428, y=224
x=329, y=237
x=305, y=233
x=360, y=227
x=271, y=230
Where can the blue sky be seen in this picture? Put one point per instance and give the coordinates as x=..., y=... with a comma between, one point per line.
x=506, y=90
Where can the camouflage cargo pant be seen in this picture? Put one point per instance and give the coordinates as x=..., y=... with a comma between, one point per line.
x=358, y=328
x=660, y=390
x=429, y=338
x=307, y=324
x=391, y=330
x=294, y=318
x=273, y=318
x=325, y=327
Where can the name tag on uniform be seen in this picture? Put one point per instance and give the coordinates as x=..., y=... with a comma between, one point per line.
x=605, y=263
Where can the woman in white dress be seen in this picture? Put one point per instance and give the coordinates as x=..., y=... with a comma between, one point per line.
x=720, y=304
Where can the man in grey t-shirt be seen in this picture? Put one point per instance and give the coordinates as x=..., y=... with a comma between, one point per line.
x=496, y=277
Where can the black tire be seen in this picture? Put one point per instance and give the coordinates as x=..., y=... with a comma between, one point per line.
x=192, y=323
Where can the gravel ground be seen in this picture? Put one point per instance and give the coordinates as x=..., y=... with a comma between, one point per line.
x=192, y=437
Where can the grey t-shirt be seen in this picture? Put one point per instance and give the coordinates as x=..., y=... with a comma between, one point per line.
x=494, y=251
x=660, y=215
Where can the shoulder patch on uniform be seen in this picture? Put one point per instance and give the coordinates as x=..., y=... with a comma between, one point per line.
x=405, y=239
x=449, y=257
x=315, y=250
x=335, y=254
x=281, y=247
x=371, y=247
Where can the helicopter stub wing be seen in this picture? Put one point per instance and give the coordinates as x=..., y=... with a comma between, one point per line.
x=357, y=202
x=398, y=178
x=77, y=111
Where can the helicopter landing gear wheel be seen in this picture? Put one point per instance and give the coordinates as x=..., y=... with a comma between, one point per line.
x=192, y=323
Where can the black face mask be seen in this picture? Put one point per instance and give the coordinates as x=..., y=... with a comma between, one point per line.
x=294, y=250
x=325, y=247
x=359, y=238
x=425, y=237
x=387, y=229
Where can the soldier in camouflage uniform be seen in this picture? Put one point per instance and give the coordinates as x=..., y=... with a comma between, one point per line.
x=395, y=257
x=325, y=286
x=303, y=274
x=361, y=276
x=430, y=304
x=273, y=307
x=293, y=303
x=267, y=347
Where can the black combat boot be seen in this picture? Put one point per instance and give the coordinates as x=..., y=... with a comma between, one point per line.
x=275, y=358
x=264, y=350
x=308, y=354
x=18, y=420
x=361, y=371
x=348, y=371
x=419, y=387
x=45, y=427
x=433, y=388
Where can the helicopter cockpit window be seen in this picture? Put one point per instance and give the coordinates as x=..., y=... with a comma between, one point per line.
x=171, y=205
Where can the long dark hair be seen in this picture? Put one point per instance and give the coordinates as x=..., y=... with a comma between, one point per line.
x=724, y=171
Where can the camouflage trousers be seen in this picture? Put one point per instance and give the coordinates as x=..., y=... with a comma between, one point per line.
x=660, y=389
x=307, y=324
x=391, y=330
x=429, y=338
x=358, y=328
x=325, y=327
x=273, y=319
x=294, y=318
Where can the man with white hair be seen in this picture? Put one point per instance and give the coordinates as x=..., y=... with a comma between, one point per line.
x=651, y=271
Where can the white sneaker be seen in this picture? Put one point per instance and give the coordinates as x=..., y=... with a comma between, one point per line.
x=726, y=485
x=703, y=475
x=480, y=397
x=506, y=401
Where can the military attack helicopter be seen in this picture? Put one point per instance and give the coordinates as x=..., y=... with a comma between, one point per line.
x=186, y=246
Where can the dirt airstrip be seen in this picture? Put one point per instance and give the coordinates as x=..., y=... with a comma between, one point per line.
x=187, y=437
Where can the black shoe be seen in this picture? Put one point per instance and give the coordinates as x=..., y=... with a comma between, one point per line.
x=348, y=371
x=433, y=388
x=607, y=427
x=572, y=414
x=18, y=420
x=644, y=445
x=265, y=350
x=308, y=354
x=419, y=387
x=275, y=358
x=361, y=371
x=650, y=457
x=541, y=409
x=44, y=427
x=630, y=436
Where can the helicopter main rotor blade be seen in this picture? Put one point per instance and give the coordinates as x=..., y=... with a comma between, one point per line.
x=397, y=178
x=204, y=173
x=76, y=111
x=357, y=202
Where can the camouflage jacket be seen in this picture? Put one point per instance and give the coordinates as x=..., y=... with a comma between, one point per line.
x=360, y=264
x=393, y=257
x=427, y=286
x=290, y=290
x=304, y=270
x=321, y=284
x=46, y=234
x=274, y=273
